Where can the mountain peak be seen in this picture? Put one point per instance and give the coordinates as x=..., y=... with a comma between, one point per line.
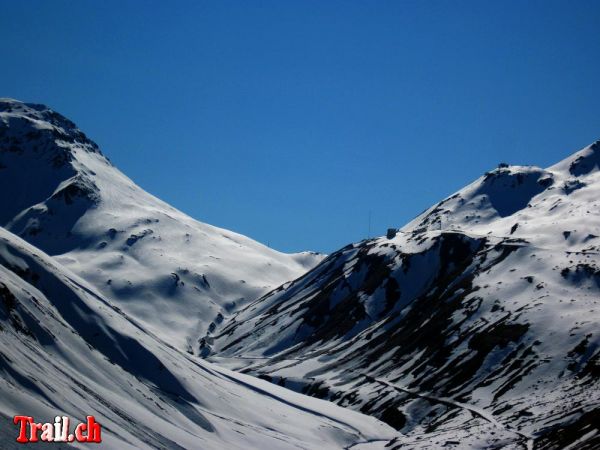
x=54, y=153
x=36, y=126
x=582, y=162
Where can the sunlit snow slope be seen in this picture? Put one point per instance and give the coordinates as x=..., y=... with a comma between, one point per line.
x=476, y=326
x=65, y=349
x=175, y=275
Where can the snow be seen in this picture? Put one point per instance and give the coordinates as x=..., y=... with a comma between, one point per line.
x=475, y=326
x=482, y=309
x=175, y=275
x=84, y=356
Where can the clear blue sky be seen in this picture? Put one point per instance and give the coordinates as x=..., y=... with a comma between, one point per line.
x=290, y=121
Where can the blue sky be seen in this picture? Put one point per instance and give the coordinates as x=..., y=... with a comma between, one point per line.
x=291, y=121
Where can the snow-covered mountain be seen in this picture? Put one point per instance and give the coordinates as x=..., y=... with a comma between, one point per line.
x=178, y=277
x=474, y=326
x=477, y=325
x=65, y=349
x=102, y=289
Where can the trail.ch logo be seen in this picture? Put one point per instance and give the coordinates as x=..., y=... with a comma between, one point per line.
x=88, y=431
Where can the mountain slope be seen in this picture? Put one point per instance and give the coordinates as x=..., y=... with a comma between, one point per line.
x=173, y=274
x=66, y=349
x=475, y=325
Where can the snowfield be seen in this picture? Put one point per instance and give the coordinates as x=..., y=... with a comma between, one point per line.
x=67, y=350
